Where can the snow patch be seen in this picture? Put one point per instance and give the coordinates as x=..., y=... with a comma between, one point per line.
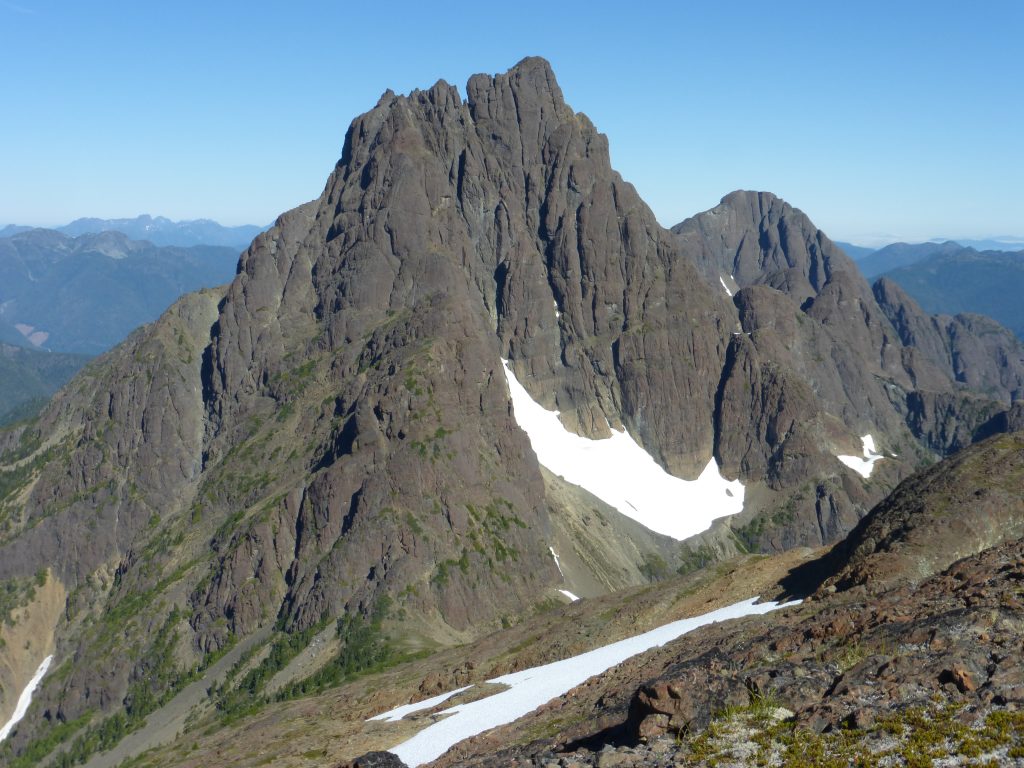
x=558, y=565
x=396, y=714
x=533, y=687
x=722, y=281
x=863, y=465
x=621, y=473
x=26, y=698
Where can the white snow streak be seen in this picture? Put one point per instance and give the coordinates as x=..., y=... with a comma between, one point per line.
x=863, y=466
x=569, y=594
x=531, y=688
x=621, y=473
x=722, y=281
x=558, y=565
x=26, y=698
x=396, y=714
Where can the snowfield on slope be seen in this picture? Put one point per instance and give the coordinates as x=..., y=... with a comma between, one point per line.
x=396, y=714
x=26, y=698
x=863, y=465
x=531, y=688
x=621, y=473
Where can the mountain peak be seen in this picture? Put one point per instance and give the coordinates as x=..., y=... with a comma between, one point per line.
x=760, y=203
x=532, y=63
x=749, y=195
x=531, y=84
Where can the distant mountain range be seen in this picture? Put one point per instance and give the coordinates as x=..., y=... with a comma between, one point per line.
x=899, y=255
x=860, y=252
x=158, y=230
x=950, y=277
x=991, y=244
x=855, y=252
x=955, y=280
x=85, y=294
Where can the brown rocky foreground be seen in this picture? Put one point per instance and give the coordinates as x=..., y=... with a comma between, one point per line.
x=902, y=677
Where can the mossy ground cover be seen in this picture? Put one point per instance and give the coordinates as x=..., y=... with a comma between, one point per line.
x=916, y=737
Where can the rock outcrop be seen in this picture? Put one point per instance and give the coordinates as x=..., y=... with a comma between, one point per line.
x=932, y=667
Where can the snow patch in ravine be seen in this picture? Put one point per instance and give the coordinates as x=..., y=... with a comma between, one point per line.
x=863, y=465
x=722, y=281
x=396, y=714
x=621, y=473
x=534, y=687
x=569, y=594
x=26, y=698
x=558, y=565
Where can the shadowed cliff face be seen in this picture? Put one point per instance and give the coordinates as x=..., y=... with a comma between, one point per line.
x=333, y=435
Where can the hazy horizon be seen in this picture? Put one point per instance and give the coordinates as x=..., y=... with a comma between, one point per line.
x=1016, y=242
x=882, y=124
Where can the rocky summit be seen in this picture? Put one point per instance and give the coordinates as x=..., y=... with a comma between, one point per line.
x=317, y=473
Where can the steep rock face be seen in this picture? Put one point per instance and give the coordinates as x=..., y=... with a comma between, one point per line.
x=802, y=303
x=813, y=365
x=447, y=237
x=818, y=355
x=121, y=447
x=964, y=371
x=1010, y=420
x=755, y=238
x=338, y=435
x=333, y=436
x=972, y=350
x=950, y=421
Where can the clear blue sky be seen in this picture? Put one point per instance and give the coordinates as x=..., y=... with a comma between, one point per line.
x=892, y=120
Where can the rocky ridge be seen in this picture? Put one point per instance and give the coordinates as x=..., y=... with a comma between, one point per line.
x=917, y=658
